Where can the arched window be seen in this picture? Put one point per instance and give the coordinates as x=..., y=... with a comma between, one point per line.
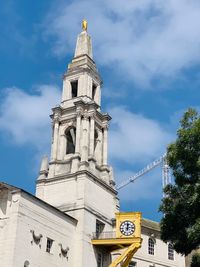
x=170, y=252
x=151, y=245
x=70, y=140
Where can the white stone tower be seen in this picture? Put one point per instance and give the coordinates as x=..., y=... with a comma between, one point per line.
x=77, y=179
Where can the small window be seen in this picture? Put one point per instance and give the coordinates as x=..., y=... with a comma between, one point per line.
x=71, y=140
x=151, y=246
x=170, y=252
x=99, y=260
x=132, y=264
x=49, y=245
x=94, y=88
x=74, y=86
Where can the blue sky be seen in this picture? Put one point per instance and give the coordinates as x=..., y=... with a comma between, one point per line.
x=148, y=54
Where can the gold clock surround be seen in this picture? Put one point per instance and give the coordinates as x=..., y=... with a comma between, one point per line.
x=133, y=217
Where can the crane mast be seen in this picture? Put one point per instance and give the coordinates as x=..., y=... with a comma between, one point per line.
x=166, y=179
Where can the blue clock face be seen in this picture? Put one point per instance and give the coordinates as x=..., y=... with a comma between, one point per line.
x=127, y=228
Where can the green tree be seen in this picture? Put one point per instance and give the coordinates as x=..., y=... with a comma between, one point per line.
x=180, y=224
x=195, y=260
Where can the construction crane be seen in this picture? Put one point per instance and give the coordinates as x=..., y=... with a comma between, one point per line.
x=166, y=178
x=125, y=258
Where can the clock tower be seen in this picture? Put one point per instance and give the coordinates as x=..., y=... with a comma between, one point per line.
x=77, y=179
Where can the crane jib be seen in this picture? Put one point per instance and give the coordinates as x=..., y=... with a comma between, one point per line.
x=149, y=167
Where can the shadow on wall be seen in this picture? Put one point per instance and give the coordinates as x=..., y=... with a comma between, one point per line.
x=26, y=264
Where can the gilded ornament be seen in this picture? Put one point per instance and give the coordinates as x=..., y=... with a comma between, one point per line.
x=84, y=25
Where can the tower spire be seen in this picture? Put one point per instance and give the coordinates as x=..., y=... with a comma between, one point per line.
x=80, y=129
x=84, y=43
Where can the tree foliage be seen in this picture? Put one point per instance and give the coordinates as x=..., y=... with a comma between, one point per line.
x=195, y=260
x=180, y=224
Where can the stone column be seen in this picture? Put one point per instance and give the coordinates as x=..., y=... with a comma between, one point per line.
x=81, y=85
x=85, y=129
x=78, y=132
x=91, y=136
x=62, y=143
x=66, y=90
x=99, y=148
x=76, y=157
x=55, y=139
x=105, y=145
x=98, y=95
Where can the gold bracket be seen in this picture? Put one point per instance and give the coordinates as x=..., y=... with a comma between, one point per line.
x=126, y=256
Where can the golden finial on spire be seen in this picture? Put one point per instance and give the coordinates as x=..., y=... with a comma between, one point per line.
x=84, y=25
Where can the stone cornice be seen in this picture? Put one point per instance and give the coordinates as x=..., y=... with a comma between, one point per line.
x=84, y=55
x=78, y=175
x=16, y=190
x=80, y=70
x=80, y=103
x=89, y=209
x=82, y=64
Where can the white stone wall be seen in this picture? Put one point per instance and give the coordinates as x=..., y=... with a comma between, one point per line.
x=160, y=257
x=87, y=200
x=27, y=214
x=62, y=192
x=100, y=199
x=85, y=228
x=142, y=258
x=8, y=227
x=75, y=192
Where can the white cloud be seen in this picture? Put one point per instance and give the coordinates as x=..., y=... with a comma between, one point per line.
x=25, y=117
x=144, y=39
x=135, y=141
x=135, y=138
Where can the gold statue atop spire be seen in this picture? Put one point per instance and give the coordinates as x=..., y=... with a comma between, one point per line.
x=84, y=25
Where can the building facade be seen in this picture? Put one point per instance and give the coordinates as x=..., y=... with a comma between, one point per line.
x=154, y=252
x=75, y=191
x=33, y=233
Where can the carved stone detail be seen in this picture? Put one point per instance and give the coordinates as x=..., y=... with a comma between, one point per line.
x=63, y=252
x=86, y=116
x=36, y=238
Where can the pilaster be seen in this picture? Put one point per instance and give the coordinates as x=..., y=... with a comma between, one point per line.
x=55, y=139
x=78, y=131
x=92, y=133
x=105, y=144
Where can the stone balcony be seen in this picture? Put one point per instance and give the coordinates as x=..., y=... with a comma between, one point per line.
x=104, y=235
